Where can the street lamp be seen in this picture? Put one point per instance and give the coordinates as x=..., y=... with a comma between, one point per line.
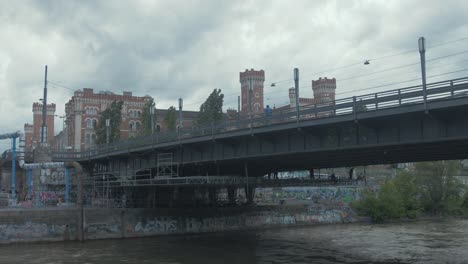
x=152, y=118
x=422, y=53
x=63, y=131
x=107, y=130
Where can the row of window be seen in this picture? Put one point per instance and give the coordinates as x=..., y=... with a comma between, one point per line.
x=134, y=113
x=91, y=110
x=134, y=126
x=91, y=123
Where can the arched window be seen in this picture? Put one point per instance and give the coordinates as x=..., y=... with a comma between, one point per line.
x=89, y=123
x=138, y=113
x=132, y=125
x=93, y=139
x=88, y=139
x=137, y=126
x=257, y=107
x=94, y=123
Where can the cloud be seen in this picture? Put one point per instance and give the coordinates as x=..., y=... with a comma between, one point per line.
x=172, y=49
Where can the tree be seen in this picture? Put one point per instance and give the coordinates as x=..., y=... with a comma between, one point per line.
x=114, y=113
x=440, y=191
x=212, y=109
x=146, y=116
x=170, y=119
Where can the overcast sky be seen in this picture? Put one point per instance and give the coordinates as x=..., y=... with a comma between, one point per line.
x=171, y=49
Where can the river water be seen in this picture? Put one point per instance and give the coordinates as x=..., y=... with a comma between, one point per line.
x=434, y=241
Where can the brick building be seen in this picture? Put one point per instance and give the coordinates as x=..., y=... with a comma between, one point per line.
x=324, y=90
x=254, y=79
x=83, y=112
x=33, y=131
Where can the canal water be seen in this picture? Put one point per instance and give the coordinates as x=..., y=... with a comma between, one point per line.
x=434, y=241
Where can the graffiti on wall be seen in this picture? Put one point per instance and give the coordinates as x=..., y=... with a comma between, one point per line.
x=341, y=195
x=157, y=225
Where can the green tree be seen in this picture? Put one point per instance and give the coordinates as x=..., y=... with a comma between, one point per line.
x=170, y=119
x=146, y=116
x=114, y=113
x=212, y=109
x=440, y=191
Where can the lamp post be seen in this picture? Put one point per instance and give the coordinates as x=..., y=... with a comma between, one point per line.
x=422, y=53
x=180, y=112
x=152, y=118
x=107, y=130
x=62, y=146
x=296, y=87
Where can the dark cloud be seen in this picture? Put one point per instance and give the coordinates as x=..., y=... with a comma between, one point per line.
x=171, y=49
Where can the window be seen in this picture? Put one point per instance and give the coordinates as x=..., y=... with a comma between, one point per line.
x=257, y=95
x=257, y=107
x=94, y=123
x=88, y=139
x=89, y=123
x=137, y=126
x=93, y=139
x=132, y=125
x=158, y=128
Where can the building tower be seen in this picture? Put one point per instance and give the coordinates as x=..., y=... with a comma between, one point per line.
x=37, y=123
x=256, y=79
x=324, y=90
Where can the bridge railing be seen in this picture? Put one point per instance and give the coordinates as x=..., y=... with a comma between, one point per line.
x=344, y=106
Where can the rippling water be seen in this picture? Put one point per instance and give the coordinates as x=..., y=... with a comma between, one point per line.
x=435, y=241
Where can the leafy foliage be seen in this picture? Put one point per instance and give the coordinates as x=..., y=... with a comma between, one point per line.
x=146, y=116
x=212, y=109
x=170, y=119
x=430, y=188
x=440, y=191
x=114, y=113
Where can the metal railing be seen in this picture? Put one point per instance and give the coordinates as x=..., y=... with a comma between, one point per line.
x=346, y=106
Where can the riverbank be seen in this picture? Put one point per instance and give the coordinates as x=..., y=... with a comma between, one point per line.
x=62, y=224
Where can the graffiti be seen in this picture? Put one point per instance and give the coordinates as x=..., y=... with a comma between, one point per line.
x=341, y=195
x=29, y=231
x=157, y=225
x=214, y=224
x=105, y=228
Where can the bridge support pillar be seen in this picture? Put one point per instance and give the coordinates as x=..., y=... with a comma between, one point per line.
x=212, y=197
x=250, y=194
x=231, y=195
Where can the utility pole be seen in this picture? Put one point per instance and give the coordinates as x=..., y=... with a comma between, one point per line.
x=180, y=113
x=152, y=118
x=422, y=53
x=44, y=111
x=107, y=130
x=238, y=107
x=296, y=86
x=250, y=98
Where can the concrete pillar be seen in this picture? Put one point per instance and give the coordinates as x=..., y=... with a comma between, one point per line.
x=231, y=195
x=212, y=197
x=250, y=194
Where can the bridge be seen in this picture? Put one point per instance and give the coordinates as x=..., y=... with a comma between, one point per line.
x=400, y=125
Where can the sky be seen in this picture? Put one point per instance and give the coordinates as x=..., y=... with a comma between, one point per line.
x=187, y=48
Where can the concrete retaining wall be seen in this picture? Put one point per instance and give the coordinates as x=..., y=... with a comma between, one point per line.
x=61, y=224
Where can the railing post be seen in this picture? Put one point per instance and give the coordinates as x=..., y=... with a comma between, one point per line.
x=354, y=108
x=376, y=103
x=67, y=186
x=451, y=89
x=399, y=97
